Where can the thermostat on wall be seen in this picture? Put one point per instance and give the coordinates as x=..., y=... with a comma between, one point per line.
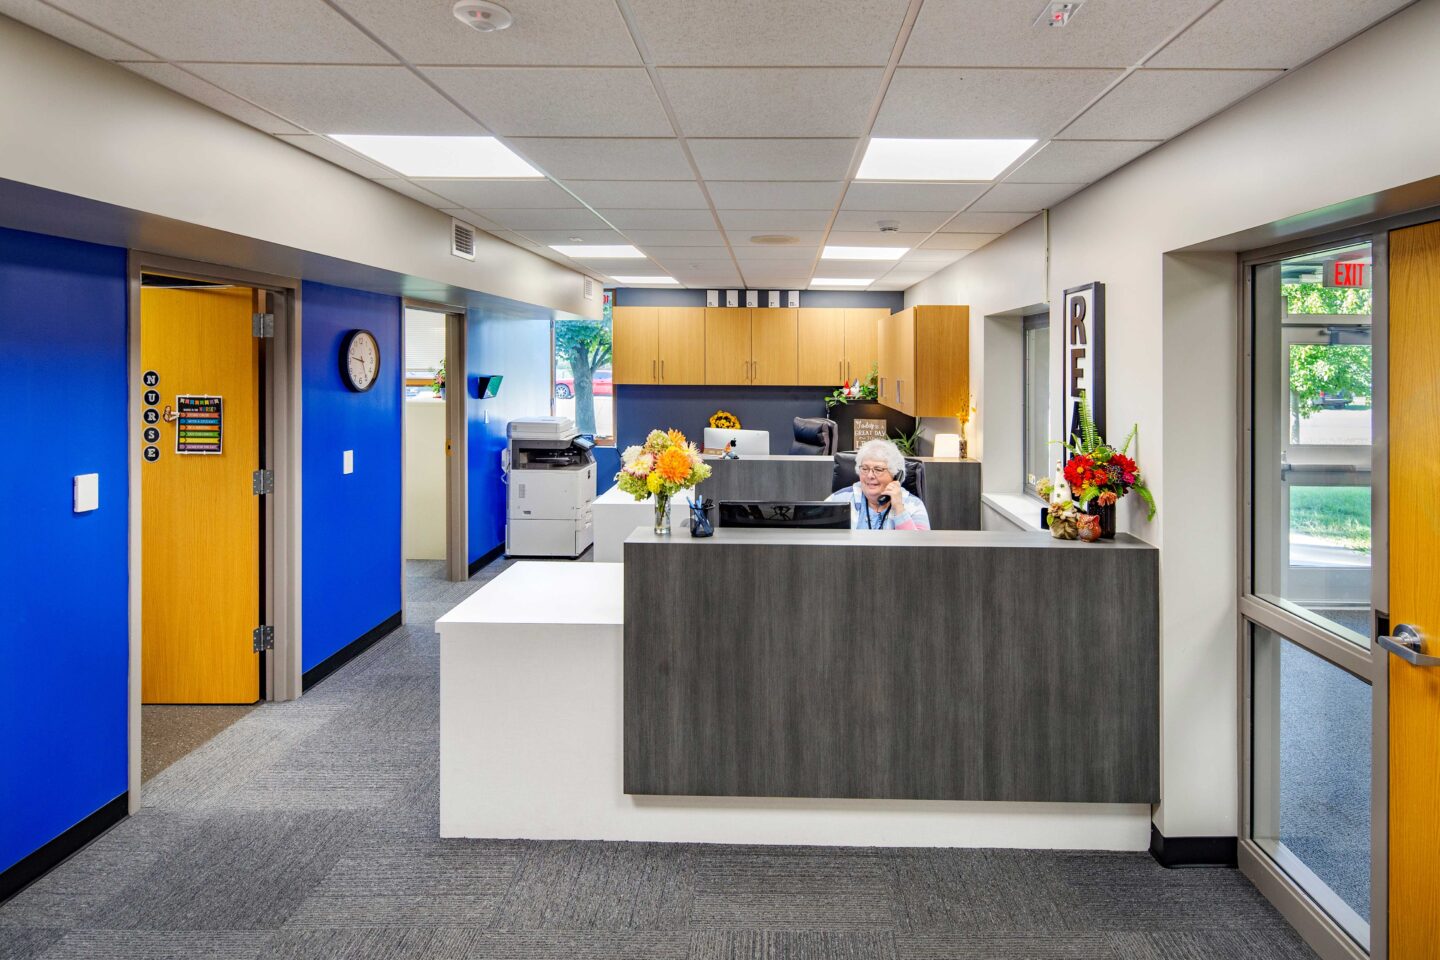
x=732, y=298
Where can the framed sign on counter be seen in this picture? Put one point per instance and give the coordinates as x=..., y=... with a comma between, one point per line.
x=1083, y=359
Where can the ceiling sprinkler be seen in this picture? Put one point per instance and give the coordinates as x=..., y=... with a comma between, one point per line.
x=889, y=226
x=482, y=15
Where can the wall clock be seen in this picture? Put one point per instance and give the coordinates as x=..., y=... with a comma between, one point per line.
x=359, y=360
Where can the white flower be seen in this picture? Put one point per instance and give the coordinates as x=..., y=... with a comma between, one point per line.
x=630, y=454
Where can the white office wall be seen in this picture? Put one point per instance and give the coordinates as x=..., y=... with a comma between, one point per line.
x=76, y=124
x=1355, y=122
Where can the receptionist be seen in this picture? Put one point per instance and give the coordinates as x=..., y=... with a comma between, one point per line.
x=877, y=501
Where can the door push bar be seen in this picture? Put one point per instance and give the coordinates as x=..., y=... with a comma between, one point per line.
x=1405, y=644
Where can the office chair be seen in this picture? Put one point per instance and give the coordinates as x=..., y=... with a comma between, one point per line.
x=814, y=436
x=846, y=474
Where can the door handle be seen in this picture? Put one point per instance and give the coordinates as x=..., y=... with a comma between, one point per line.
x=652, y=370
x=898, y=397
x=662, y=369
x=754, y=370
x=1406, y=644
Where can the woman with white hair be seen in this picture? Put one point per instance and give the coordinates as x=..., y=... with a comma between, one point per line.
x=877, y=501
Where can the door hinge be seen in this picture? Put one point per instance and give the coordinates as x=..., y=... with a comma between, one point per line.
x=262, y=482
x=262, y=325
x=264, y=637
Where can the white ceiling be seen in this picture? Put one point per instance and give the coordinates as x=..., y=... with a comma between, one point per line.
x=687, y=128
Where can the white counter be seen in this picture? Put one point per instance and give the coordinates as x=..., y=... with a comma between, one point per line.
x=616, y=514
x=531, y=724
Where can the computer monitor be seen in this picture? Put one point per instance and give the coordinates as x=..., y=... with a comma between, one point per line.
x=748, y=443
x=786, y=514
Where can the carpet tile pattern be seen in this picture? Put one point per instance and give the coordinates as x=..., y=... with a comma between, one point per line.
x=308, y=831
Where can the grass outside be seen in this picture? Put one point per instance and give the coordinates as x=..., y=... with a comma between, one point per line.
x=1338, y=515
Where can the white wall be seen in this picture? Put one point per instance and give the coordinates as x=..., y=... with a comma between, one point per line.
x=1358, y=121
x=75, y=124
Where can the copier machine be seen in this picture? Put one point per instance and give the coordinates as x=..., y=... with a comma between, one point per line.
x=550, y=473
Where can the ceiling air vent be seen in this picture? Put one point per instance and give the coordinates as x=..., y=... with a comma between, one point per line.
x=462, y=240
x=587, y=287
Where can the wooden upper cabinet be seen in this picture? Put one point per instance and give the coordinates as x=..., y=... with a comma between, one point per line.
x=862, y=340
x=634, y=345
x=822, y=346
x=680, y=338
x=925, y=361
x=774, y=346
x=727, y=345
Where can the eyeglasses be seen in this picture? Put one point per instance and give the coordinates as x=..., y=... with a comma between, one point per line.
x=868, y=471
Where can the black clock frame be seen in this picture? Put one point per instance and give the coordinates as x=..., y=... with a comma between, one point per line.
x=345, y=358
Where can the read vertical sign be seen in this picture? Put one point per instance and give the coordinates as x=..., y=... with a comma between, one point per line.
x=1083, y=360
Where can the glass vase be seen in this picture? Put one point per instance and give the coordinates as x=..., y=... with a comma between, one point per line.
x=662, y=514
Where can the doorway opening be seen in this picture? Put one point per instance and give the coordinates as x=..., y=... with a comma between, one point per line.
x=434, y=523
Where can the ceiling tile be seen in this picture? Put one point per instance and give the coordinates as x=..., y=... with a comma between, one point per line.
x=1271, y=33
x=874, y=238
x=681, y=254
x=1158, y=104
x=244, y=31
x=202, y=91
x=753, y=32
x=789, y=261
x=485, y=195
x=606, y=159
x=1021, y=197
x=660, y=219
x=639, y=194
x=1079, y=161
x=525, y=220
x=785, y=159
x=677, y=238
x=544, y=32
x=958, y=241
x=911, y=221
x=774, y=221
x=867, y=269
x=918, y=258
x=911, y=196
x=1003, y=33
x=936, y=102
x=549, y=236
x=771, y=102
x=774, y=281
x=75, y=32
x=556, y=102
x=330, y=150
x=773, y=195
x=427, y=197
x=626, y=267
x=344, y=99
x=986, y=222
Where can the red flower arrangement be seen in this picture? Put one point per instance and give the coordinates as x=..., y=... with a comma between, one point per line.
x=1097, y=471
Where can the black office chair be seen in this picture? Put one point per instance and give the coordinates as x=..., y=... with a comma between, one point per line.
x=814, y=436
x=846, y=474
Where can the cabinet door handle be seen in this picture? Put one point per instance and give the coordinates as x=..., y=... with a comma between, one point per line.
x=754, y=370
x=842, y=371
x=898, y=392
x=652, y=370
x=662, y=369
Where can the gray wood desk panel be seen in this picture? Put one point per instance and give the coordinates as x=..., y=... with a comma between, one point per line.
x=952, y=487
x=817, y=668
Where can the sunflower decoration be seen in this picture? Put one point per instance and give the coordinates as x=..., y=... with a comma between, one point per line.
x=724, y=420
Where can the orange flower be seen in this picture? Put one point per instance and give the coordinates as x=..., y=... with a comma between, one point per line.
x=676, y=437
x=673, y=465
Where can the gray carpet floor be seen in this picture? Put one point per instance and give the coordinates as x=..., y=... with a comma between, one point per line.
x=308, y=830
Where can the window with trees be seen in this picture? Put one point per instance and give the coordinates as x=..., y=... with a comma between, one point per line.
x=583, y=387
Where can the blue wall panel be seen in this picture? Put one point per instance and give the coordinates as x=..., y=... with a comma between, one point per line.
x=640, y=409
x=518, y=348
x=351, y=522
x=63, y=577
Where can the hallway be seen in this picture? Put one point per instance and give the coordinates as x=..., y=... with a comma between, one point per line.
x=308, y=830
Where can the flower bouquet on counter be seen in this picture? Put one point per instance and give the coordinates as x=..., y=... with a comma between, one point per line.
x=724, y=420
x=1096, y=476
x=661, y=467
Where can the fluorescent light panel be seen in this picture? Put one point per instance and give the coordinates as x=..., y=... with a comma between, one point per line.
x=938, y=160
x=839, y=282
x=863, y=253
x=450, y=157
x=585, y=251
x=646, y=281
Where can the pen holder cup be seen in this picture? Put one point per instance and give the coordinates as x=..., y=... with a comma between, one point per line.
x=702, y=518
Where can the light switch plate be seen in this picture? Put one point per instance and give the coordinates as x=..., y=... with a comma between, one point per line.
x=348, y=464
x=87, y=492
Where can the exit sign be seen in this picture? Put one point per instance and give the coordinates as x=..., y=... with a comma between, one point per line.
x=1347, y=273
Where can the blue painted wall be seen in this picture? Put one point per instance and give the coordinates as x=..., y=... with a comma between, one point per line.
x=517, y=347
x=652, y=297
x=351, y=579
x=63, y=579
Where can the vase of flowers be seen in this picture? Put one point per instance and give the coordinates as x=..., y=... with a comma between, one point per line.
x=661, y=467
x=1098, y=474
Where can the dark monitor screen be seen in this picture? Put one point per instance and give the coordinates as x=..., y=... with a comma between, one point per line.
x=786, y=514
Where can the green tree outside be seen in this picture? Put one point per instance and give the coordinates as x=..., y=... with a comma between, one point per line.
x=586, y=346
x=1319, y=368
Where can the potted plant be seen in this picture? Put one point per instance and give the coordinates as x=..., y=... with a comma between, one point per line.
x=1098, y=475
x=866, y=389
x=661, y=467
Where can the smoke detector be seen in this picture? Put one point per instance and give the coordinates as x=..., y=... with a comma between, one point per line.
x=482, y=15
x=1057, y=14
x=774, y=239
x=888, y=226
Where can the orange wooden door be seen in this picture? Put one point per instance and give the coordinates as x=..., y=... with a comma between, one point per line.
x=1414, y=777
x=199, y=515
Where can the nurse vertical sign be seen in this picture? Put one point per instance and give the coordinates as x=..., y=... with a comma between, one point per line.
x=1083, y=361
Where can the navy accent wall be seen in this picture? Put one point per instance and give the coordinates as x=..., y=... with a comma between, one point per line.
x=65, y=646
x=518, y=347
x=652, y=297
x=351, y=567
x=640, y=409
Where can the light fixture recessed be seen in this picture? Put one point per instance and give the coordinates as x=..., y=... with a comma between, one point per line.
x=647, y=281
x=938, y=160
x=460, y=158
x=610, y=251
x=863, y=253
x=839, y=282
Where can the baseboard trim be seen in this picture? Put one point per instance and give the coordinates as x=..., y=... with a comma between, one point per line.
x=1193, y=851
x=57, y=851
x=485, y=559
x=348, y=652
